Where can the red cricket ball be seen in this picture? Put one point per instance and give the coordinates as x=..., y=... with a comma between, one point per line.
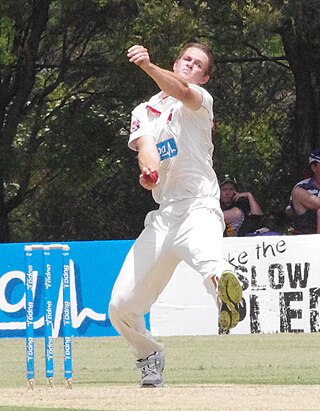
x=152, y=177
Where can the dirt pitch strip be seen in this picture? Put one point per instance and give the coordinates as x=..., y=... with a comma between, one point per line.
x=169, y=398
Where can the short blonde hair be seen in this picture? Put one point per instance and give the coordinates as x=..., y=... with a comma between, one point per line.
x=205, y=48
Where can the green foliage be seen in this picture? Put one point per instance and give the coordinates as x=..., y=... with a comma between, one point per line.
x=164, y=26
x=6, y=29
x=253, y=109
x=260, y=17
x=91, y=182
x=254, y=102
x=76, y=71
x=67, y=91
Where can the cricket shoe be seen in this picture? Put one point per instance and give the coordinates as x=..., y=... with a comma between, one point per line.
x=151, y=370
x=230, y=295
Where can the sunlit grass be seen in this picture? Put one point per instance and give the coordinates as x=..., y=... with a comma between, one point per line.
x=225, y=359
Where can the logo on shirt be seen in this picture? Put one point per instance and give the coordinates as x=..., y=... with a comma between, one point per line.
x=169, y=119
x=135, y=125
x=167, y=149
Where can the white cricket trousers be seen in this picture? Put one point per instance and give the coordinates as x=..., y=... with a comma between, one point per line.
x=188, y=230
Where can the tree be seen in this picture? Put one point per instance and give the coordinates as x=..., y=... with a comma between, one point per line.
x=300, y=33
x=18, y=77
x=267, y=91
x=50, y=52
x=298, y=25
x=71, y=136
x=254, y=93
x=67, y=90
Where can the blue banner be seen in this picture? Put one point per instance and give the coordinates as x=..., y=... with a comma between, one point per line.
x=94, y=267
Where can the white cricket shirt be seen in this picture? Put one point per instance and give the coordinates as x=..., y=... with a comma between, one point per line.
x=184, y=141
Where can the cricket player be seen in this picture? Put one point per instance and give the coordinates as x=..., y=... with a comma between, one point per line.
x=172, y=134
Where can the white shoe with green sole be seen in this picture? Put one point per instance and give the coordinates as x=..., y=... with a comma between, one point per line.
x=230, y=295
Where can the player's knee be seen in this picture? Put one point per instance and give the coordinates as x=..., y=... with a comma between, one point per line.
x=114, y=310
x=118, y=309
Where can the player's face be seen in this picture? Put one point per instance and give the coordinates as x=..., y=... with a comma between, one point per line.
x=227, y=192
x=192, y=66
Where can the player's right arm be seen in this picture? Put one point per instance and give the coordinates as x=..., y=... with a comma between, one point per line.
x=148, y=159
x=170, y=83
x=141, y=140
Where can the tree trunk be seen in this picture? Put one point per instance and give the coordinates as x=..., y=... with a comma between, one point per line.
x=16, y=86
x=301, y=41
x=4, y=222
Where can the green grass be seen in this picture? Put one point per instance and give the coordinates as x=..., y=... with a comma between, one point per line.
x=225, y=359
x=245, y=359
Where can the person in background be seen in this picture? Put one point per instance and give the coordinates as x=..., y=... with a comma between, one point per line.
x=304, y=207
x=238, y=208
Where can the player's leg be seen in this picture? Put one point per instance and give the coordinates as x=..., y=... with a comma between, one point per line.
x=230, y=296
x=202, y=245
x=142, y=278
x=146, y=270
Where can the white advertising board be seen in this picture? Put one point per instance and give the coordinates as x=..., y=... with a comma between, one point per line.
x=280, y=276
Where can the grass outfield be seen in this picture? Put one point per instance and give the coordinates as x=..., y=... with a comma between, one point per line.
x=199, y=370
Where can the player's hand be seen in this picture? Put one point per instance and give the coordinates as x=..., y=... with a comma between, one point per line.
x=149, y=178
x=138, y=55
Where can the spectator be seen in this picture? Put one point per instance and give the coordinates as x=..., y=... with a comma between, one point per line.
x=242, y=213
x=304, y=207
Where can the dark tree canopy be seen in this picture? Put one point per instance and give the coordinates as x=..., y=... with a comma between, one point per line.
x=67, y=90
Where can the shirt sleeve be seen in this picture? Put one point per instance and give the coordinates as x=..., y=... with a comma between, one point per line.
x=140, y=125
x=207, y=99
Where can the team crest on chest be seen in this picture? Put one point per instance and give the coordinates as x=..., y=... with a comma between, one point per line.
x=135, y=125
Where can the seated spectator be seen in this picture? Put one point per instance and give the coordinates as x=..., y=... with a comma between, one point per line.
x=304, y=207
x=242, y=213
